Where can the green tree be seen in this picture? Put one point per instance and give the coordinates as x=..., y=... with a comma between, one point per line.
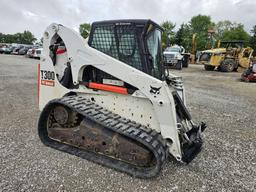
x=184, y=36
x=27, y=37
x=168, y=36
x=236, y=33
x=84, y=29
x=223, y=26
x=8, y=38
x=187, y=40
x=200, y=25
x=23, y=38
x=1, y=37
x=252, y=41
x=180, y=35
x=227, y=30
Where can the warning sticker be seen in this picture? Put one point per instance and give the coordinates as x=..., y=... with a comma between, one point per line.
x=47, y=83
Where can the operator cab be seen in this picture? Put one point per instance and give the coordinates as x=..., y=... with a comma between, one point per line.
x=232, y=44
x=134, y=42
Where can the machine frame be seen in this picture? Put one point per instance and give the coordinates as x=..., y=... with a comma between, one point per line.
x=159, y=105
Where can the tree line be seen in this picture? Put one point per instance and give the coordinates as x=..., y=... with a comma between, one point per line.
x=22, y=38
x=207, y=33
x=201, y=26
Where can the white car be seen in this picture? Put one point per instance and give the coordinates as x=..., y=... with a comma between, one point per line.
x=29, y=53
x=37, y=53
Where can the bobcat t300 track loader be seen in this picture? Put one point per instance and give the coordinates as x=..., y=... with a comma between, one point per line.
x=108, y=99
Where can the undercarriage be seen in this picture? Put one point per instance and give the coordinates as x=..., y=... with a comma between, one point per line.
x=98, y=135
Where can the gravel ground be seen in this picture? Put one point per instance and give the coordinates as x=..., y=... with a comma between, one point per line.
x=227, y=162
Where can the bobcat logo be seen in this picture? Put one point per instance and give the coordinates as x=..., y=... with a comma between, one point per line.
x=155, y=90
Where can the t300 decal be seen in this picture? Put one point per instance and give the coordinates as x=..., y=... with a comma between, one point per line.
x=47, y=78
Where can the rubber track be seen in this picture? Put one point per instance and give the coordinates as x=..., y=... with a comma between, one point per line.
x=149, y=138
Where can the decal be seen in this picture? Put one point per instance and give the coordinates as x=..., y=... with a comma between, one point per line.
x=155, y=90
x=47, y=78
x=47, y=83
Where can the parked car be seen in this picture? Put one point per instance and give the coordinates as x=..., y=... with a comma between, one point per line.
x=6, y=49
x=2, y=49
x=3, y=46
x=24, y=50
x=9, y=50
x=29, y=52
x=37, y=53
x=16, y=50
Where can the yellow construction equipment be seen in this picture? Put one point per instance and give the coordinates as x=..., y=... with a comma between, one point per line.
x=193, y=51
x=228, y=57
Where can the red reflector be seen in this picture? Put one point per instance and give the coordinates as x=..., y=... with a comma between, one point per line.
x=110, y=88
x=60, y=51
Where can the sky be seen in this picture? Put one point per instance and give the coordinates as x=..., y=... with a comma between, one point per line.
x=35, y=16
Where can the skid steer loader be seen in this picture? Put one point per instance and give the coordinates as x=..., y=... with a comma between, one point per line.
x=107, y=99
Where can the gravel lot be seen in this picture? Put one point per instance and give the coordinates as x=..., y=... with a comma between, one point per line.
x=227, y=162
